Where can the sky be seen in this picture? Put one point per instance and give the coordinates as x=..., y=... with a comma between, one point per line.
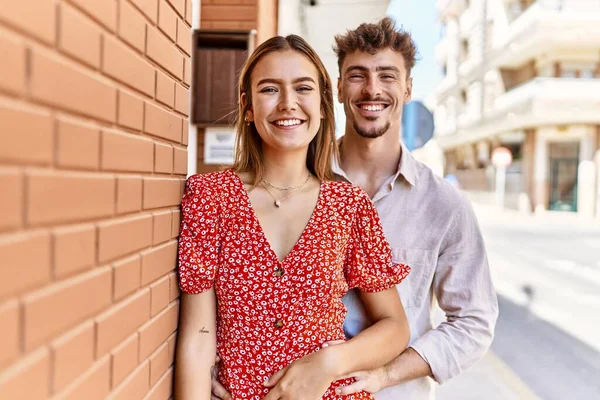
x=419, y=18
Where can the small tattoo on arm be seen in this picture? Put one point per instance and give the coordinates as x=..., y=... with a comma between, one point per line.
x=203, y=330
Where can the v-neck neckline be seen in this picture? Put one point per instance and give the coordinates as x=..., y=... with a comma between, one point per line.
x=262, y=231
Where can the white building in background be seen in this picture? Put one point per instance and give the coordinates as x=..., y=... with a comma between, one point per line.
x=525, y=75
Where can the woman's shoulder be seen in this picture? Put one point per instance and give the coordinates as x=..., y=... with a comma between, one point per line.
x=349, y=192
x=209, y=180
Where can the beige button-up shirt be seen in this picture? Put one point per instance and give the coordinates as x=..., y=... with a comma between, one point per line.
x=432, y=228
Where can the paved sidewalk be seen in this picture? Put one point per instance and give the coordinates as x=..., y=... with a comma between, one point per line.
x=489, y=379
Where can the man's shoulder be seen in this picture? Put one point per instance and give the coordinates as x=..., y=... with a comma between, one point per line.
x=439, y=192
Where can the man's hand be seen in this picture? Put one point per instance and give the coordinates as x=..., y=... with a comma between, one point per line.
x=218, y=391
x=368, y=381
x=305, y=379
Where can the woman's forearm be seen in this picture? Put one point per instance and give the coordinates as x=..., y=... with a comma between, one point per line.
x=373, y=347
x=193, y=372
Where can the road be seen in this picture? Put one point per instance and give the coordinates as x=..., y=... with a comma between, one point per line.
x=547, y=343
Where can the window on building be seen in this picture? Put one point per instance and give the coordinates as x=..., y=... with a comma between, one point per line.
x=463, y=96
x=464, y=49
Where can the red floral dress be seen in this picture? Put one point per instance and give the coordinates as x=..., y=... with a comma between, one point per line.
x=272, y=312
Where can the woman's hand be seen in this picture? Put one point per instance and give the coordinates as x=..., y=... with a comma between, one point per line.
x=305, y=379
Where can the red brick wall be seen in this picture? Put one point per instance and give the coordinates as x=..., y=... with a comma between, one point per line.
x=228, y=14
x=93, y=133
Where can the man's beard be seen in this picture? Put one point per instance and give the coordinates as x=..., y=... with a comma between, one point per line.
x=371, y=133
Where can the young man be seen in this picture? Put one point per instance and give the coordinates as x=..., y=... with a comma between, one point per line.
x=429, y=225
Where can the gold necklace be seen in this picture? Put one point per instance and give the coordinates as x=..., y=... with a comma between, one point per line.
x=282, y=188
x=276, y=201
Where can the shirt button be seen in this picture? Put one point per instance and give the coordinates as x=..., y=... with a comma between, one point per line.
x=279, y=324
x=278, y=272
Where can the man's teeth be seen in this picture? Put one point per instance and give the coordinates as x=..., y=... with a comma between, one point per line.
x=288, y=122
x=377, y=107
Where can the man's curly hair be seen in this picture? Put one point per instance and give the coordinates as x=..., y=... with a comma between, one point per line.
x=371, y=38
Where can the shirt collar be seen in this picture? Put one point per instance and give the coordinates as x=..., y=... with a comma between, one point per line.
x=407, y=167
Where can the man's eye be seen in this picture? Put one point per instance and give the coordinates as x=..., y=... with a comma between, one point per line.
x=388, y=77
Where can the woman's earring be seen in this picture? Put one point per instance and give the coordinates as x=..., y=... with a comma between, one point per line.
x=246, y=119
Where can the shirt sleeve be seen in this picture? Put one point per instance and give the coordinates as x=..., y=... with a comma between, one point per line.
x=199, y=240
x=369, y=265
x=463, y=287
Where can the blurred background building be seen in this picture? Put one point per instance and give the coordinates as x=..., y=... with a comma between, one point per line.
x=525, y=75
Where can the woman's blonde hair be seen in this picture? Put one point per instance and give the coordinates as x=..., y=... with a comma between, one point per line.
x=248, y=156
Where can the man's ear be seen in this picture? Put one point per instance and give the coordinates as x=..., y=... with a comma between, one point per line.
x=408, y=94
x=339, y=90
x=244, y=100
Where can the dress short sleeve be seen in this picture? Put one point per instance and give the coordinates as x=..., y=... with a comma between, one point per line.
x=199, y=239
x=369, y=265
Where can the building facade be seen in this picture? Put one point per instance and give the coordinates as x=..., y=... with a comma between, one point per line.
x=524, y=75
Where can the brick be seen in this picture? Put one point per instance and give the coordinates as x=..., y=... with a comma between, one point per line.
x=224, y=25
x=126, y=152
x=11, y=201
x=176, y=223
x=160, y=192
x=162, y=123
x=29, y=379
x=124, y=359
x=126, y=276
x=129, y=194
x=56, y=82
x=25, y=258
x=184, y=37
x=179, y=161
x=187, y=71
x=12, y=70
x=65, y=197
x=159, y=296
x=37, y=17
x=78, y=145
x=158, y=261
x=163, y=388
x=186, y=133
x=163, y=52
x=10, y=334
x=163, y=158
x=148, y=7
x=121, y=321
x=159, y=362
x=173, y=287
x=79, y=36
x=172, y=347
x=157, y=331
x=127, y=66
x=162, y=227
x=165, y=89
x=72, y=354
x=135, y=386
x=131, y=111
x=182, y=99
x=58, y=307
x=104, y=11
x=26, y=135
x=74, y=249
x=132, y=26
x=93, y=385
x=188, y=13
x=117, y=238
x=179, y=6
x=167, y=20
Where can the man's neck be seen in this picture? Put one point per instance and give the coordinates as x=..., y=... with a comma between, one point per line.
x=370, y=162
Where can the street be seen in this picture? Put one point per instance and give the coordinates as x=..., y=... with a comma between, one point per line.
x=547, y=343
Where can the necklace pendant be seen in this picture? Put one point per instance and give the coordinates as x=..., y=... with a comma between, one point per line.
x=277, y=203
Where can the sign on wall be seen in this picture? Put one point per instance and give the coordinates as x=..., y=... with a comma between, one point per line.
x=219, y=145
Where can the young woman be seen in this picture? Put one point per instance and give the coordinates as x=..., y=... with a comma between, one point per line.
x=268, y=248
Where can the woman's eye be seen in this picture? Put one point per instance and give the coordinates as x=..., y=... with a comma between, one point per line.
x=268, y=90
x=305, y=88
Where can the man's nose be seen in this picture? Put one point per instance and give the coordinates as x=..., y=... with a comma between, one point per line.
x=372, y=88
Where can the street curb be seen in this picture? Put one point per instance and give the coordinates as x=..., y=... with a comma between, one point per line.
x=512, y=380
